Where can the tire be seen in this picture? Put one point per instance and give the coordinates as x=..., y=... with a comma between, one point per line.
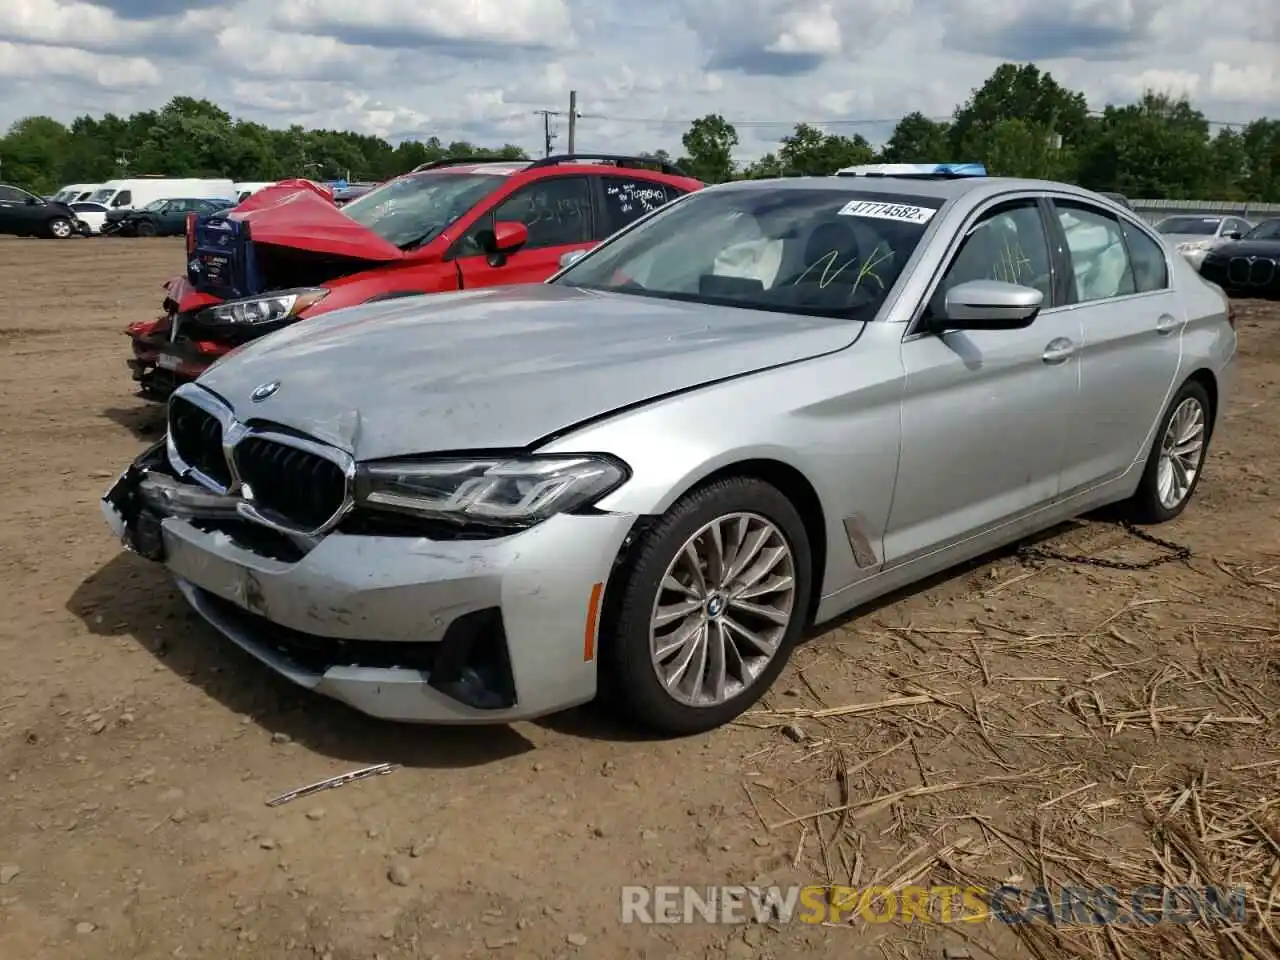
x=60, y=228
x=145, y=228
x=629, y=674
x=1147, y=505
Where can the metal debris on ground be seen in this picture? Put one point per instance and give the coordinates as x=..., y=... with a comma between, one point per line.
x=1173, y=552
x=377, y=770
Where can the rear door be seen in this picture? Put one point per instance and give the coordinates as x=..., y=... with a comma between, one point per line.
x=558, y=213
x=1131, y=323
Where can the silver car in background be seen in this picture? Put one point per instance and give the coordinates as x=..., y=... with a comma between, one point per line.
x=1193, y=236
x=757, y=408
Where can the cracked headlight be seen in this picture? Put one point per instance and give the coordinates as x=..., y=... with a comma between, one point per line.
x=514, y=493
x=268, y=308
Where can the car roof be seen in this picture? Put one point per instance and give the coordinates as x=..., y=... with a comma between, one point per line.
x=605, y=164
x=939, y=188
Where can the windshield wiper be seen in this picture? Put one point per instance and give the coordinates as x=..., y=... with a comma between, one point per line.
x=419, y=241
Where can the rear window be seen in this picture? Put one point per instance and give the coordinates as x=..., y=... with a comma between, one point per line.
x=1190, y=226
x=418, y=207
x=627, y=200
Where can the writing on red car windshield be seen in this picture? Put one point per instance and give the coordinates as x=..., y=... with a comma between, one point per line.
x=416, y=208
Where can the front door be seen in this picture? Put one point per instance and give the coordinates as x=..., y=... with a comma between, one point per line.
x=558, y=215
x=985, y=413
x=1131, y=323
x=11, y=199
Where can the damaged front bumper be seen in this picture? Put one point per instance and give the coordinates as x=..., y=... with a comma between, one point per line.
x=399, y=627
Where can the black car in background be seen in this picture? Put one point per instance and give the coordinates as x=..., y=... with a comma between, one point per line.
x=159, y=218
x=23, y=214
x=1250, y=266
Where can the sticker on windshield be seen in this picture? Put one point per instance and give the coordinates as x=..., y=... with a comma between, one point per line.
x=901, y=212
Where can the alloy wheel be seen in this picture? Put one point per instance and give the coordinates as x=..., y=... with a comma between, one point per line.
x=722, y=609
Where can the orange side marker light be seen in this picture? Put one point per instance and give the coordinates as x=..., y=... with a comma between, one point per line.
x=593, y=623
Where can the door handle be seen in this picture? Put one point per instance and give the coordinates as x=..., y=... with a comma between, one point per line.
x=1058, y=351
x=1166, y=325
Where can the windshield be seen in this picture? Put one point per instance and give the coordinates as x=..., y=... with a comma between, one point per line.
x=155, y=205
x=1199, y=226
x=821, y=252
x=418, y=207
x=1267, y=230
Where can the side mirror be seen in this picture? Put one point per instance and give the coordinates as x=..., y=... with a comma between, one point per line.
x=34, y=201
x=988, y=305
x=1231, y=235
x=507, y=236
x=570, y=258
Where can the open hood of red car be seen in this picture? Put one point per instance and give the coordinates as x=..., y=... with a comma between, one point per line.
x=300, y=216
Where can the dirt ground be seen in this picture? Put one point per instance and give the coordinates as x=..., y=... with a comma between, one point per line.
x=1024, y=721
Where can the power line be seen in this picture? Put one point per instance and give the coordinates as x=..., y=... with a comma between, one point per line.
x=828, y=122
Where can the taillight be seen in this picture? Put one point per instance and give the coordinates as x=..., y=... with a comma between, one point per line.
x=1231, y=315
x=191, y=233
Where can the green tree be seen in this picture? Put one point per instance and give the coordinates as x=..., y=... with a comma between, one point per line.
x=1035, y=98
x=1158, y=147
x=917, y=139
x=809, y=152
x=709, y=145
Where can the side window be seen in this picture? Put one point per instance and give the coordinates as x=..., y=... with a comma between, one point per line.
x=626, y=201
x=1008, y=243
x=123, y=198
x=557, y=211
x=11, y=195
x=1150, y=270
x=1099, y=261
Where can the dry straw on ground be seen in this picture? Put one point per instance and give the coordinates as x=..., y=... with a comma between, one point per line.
x=1132, y=749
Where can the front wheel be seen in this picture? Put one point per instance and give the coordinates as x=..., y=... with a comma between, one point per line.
x=60, y=228
x=1176, y=459
x=708, y=611
x=146, y=229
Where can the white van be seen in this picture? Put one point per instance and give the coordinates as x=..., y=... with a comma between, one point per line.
x=138, y=192
x=246, y=190
x=73, y=192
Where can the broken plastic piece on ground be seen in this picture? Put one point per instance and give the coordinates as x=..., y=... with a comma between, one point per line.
x=377, y=770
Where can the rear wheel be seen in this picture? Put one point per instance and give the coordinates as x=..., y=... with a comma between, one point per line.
x=707, y=613
x=146, y=228
x=60, y=228
x=1176, y=459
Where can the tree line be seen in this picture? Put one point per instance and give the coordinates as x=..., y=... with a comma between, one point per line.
x=1020, y=122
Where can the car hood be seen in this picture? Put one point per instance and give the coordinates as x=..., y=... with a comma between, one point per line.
x=1176, y=238
x=501, y=367
x=299, y=217
x=1248, y=248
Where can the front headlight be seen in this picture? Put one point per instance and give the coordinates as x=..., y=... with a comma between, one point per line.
x=268, y=308
x=516, y=492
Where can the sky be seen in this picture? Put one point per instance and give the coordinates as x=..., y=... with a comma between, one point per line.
x=480, y=69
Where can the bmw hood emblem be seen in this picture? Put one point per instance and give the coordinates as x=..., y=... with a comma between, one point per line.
x=265, y=391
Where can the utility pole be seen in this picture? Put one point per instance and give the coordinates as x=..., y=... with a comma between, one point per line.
x=573, y=118
x=547, y=135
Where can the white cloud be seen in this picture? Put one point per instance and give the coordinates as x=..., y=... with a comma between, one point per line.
x=26, y=61
x=481, y=69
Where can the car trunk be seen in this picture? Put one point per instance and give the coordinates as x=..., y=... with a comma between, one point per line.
x=281, y=237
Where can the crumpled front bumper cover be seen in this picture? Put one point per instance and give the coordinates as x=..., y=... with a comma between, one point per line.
x=398, y=627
